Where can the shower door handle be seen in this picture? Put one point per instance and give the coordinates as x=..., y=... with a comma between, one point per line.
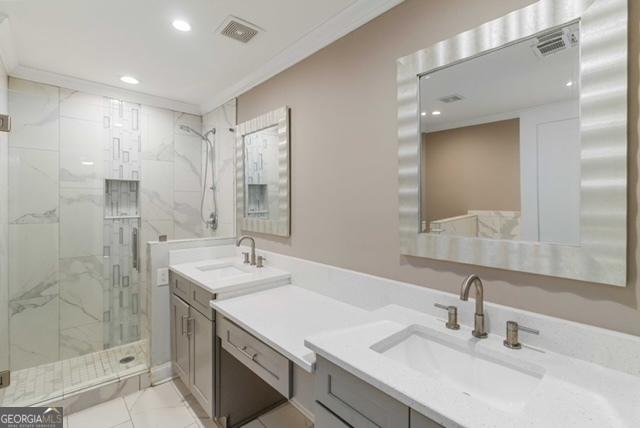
x=134, y=245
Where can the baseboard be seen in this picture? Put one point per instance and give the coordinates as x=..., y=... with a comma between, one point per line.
x=307, y=412
x=162, y=373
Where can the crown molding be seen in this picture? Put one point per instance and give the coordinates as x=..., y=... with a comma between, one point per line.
x=349, y=19
x=96, y=88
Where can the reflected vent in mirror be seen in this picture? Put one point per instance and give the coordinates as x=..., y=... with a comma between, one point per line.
x=550, y=43
x=451, y=98
x=238, y=29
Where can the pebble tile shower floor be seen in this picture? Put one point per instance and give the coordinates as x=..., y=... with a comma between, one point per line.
x=53, y=381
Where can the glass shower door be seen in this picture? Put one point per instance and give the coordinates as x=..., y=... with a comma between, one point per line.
x=4, y=278
x=70, y=274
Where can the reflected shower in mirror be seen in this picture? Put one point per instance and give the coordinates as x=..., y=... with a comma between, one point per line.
x=500, y=149
x=261, y=173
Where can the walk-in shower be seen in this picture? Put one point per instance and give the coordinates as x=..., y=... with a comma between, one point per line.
x=210, y=154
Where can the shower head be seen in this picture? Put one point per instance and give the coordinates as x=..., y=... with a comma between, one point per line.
x=193, y=131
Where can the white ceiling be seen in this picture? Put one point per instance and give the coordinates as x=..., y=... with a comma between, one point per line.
x=499, y=84
x=99, y=41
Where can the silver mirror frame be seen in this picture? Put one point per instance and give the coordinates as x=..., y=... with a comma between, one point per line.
x=601, y=256
x=282, y=225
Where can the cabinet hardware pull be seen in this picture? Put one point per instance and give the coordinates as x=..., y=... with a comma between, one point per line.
x=252, y=357
x=190, y=325
x=182, y=318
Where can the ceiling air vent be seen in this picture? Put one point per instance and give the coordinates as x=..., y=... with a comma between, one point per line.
x=238, y=29
x=451, y=98
x=559, y=40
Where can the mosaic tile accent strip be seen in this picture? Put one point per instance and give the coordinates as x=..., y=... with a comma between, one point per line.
x=123, y=143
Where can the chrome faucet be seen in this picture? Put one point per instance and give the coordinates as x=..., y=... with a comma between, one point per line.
x=478, y=330
x=253, y=247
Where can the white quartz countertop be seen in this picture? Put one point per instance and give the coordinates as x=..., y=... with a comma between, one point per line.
x=572, y=392
x=283, y=317
x=228, y=274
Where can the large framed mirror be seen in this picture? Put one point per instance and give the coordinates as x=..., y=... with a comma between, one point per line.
x=513, y=143
x=262, y=174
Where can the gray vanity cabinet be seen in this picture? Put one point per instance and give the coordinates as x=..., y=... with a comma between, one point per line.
x=180, y=339
x=416, y=420
x=343, y=400
x=325, y=419
x=201, y=364
x=192, y=339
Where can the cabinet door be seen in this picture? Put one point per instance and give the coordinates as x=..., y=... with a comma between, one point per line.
x=179, y=338
x=201, y=376
x=356, y=402
x=326, y=419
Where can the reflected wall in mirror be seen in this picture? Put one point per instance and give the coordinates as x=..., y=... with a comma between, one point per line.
x=262, y=168
x=512, y=143
x=500, y=149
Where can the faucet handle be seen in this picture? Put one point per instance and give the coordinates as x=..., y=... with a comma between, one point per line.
x=511, y=340
x=246, y=258
x=260, y=261
x=452, y=311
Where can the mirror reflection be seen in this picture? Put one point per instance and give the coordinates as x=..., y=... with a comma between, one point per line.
x=500, y=150
x=261, y=173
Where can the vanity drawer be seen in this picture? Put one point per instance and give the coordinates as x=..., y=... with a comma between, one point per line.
x=200, y=299
x=267, y=363
x=180, y=286
x=355, y=401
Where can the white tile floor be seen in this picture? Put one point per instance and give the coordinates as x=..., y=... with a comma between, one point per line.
x=168, y=406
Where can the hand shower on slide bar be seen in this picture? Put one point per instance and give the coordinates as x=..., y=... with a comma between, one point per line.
x=212, y=221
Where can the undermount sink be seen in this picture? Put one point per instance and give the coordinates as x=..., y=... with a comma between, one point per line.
x=222, y=271
x=496, y=380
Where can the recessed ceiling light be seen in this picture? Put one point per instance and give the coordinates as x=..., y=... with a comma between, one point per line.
x=130, y=80
x=436, y=113
x=424, y=113
x=569, y=83
x=87, y=163
x=181, y=25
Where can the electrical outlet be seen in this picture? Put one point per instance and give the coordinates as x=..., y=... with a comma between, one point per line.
x=162, y=276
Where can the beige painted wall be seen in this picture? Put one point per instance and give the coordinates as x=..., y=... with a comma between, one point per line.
x=345, y=164
x=471, y=168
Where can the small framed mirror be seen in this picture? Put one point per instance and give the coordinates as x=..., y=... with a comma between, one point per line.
x=262, y=174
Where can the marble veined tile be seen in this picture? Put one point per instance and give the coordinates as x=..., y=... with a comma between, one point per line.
x=81, y=291
x=80, y=105
x=156, y=190
x=81, y=340
x=34, y=109
x=188, y=152
x=81, y=154
x=33, y=258
x=188, y=223
x=33, y=186
x=159, y=407
x=33, y=331
x=157, y=134
x=81, y=217
x=105, y=415
x=191, y=120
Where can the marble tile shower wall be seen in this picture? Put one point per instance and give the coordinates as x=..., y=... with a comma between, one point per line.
x=61, y=149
